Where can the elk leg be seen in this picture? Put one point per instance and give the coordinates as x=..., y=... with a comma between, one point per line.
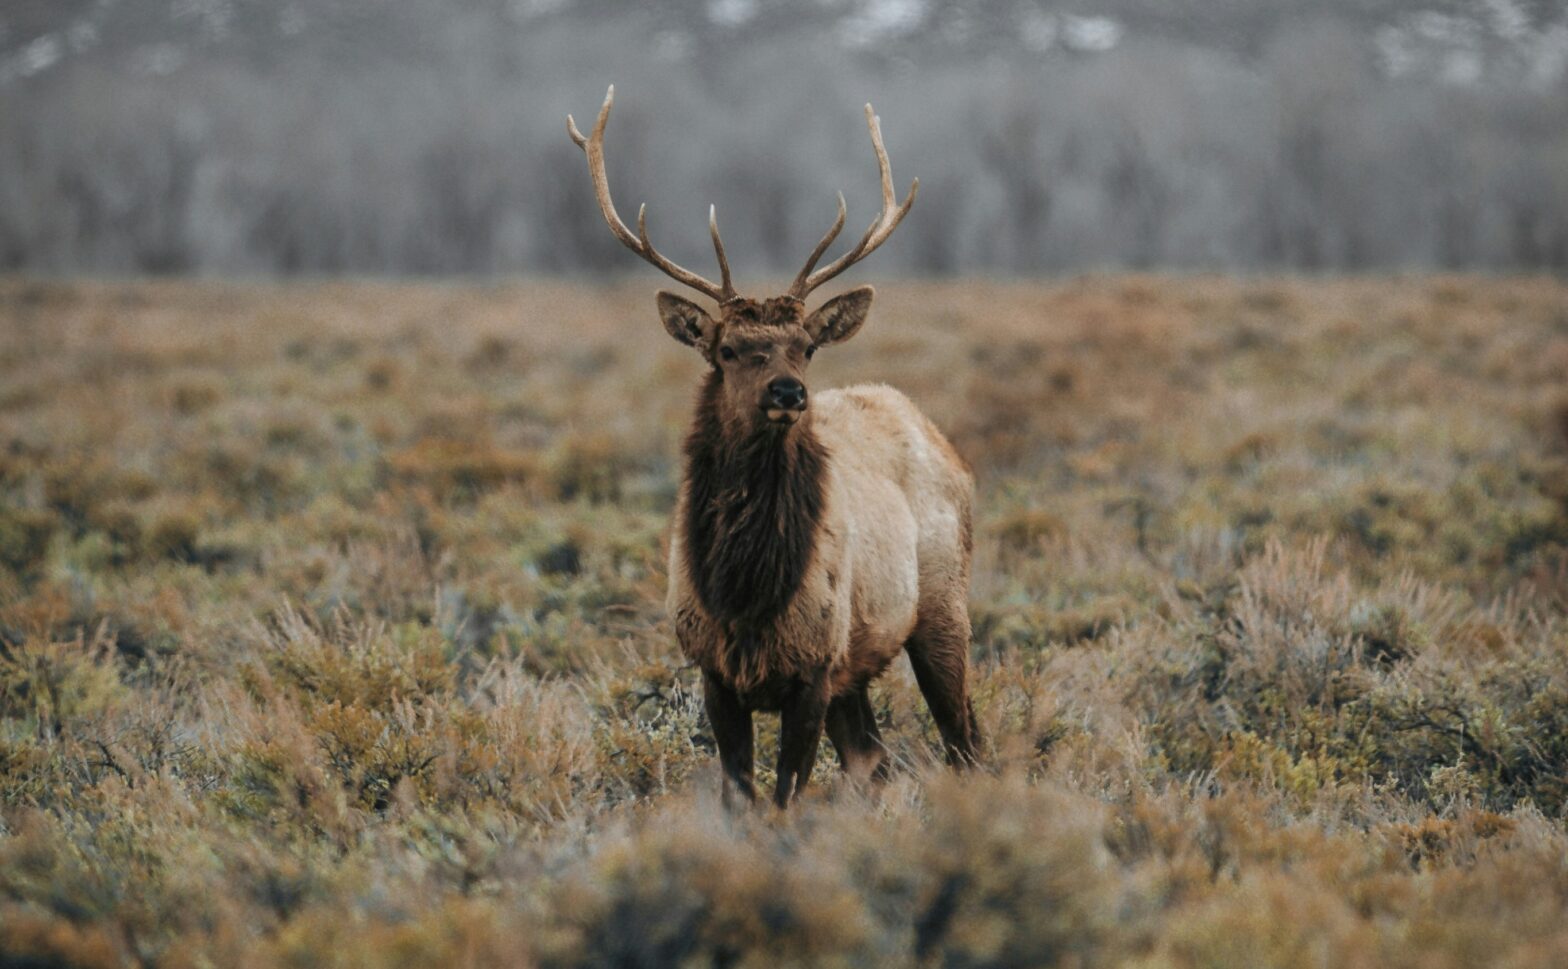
x=732, y=730
x=800, y=730
x=852, y=726
x=939, y=652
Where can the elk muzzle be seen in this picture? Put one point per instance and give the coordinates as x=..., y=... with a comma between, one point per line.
x=785, y=400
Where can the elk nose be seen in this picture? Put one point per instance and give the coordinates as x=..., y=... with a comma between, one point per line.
x=787, y=393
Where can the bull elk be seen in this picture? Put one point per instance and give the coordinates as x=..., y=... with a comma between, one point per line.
x=815, y=536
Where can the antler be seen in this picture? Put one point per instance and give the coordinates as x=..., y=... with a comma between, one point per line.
x=593, y=147
x=878, y=232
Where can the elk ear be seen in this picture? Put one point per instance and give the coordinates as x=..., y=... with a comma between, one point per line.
x=837, y=320
x=686, y=321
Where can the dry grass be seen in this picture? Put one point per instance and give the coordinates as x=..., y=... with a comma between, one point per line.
x=331, y=634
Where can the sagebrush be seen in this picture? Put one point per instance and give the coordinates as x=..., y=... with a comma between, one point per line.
x=331, y=633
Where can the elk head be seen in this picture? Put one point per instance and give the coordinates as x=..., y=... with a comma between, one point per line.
x=759, y=348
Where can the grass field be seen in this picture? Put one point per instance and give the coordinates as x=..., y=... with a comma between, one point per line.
x=331, y=634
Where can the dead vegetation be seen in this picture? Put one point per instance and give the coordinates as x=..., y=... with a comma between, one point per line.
x=331, y=633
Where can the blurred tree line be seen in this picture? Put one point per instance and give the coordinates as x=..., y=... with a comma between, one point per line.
x=327, y=136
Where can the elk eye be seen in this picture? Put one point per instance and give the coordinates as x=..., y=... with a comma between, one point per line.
x=726, y=353
x=810, y=351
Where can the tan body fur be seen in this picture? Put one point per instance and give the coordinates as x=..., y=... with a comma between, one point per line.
x=893, y=548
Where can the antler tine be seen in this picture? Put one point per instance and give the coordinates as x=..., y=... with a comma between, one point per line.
x=645, y=249
x=796, y=287
x=884, y=167
x=718, y=250
x=593, y=147
x=876, y=234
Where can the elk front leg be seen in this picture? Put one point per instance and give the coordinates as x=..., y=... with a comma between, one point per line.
x=731, y=723
x=800, y=729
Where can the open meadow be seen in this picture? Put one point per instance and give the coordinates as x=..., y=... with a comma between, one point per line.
x=332, y=634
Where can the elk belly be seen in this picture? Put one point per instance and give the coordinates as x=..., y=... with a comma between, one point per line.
x=883, y=545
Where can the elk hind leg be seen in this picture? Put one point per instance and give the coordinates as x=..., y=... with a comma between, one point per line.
x=852, y=726
x=939, y=653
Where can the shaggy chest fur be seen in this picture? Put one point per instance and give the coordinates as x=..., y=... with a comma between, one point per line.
x=754, y=510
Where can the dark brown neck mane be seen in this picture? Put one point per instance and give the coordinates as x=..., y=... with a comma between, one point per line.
x=754, y=506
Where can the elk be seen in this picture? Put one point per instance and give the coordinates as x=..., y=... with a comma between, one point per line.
x=815, y=536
